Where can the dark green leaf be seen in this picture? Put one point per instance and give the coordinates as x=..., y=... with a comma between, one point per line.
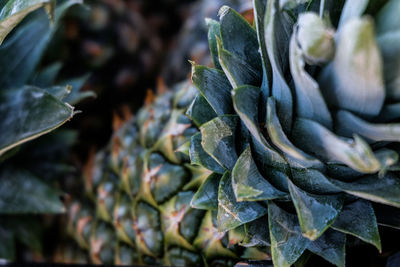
x=358, y=219
x=315, y=212
x=7, y=244
x=259, y=13
x=214, y=32
x=384, y=190
x=257, y=233
x=23, y=193
x=313, y=181
x=47, y=76
x=28, y=113
x=77, y=94
x=22, y=51
x=16, y=10
x=239, y=38
x=218, y=140
x=237, y=70
x=242, y=96
x=200, y=111
x=247, y=182
x=278, y=28
x=231, y=213
x=280, y=139
x=287, y=243
x=207, y=196
x=331, y=246
x=215, y=88
x=387, y=216
x=200, y=157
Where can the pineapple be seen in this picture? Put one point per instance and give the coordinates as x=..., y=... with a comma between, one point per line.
x=292, y=144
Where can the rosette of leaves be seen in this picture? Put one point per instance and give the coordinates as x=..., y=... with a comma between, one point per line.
x=302, y=125
x=32, y=103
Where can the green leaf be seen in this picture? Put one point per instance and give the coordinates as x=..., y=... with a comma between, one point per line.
x=22, y=51
x=348, y=124
x=331, y=246
x=215, y=88
x=358, y=219
x=200, y=111
x=388, y=17
x=28, y=231
x=59, y=92
x=200, y=157
x=279, y=139
x=384, y=190
x=257, y=233
x=231, y=213
x=242, y=96
x=313, y=181
x=278, y=27
x=214, y=32
x=27, y=113
x=239, y=37
x=316, y=139
x=354, y=80
x=237, y=70
x=351, y=10
x=47, y=76
x=16, y=10
x=7, y=244
x=315, y=212
x=247, y=182
x=287, y=243
x=77, y=94
x=218, y=140
x=259, y=14
x=310, y=103
x=390, y=49
x=23, y=193
x=206, y=197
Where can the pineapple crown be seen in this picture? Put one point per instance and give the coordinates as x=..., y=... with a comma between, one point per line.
x=298, y=124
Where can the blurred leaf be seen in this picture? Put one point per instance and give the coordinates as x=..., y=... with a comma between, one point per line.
x=316, y=139
x=47, y=76
x=7, y=244
x=22, y=51
x=28, y=113
x=352, y=9
x=354, y=80
x=77, y=94
x=22, y=193
x=16, y=10
x=388, y=18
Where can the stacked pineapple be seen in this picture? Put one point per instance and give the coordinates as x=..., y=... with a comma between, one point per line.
x=288, y=145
